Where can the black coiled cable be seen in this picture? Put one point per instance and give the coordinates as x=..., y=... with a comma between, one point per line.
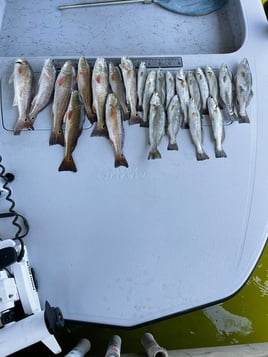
x=19, y=221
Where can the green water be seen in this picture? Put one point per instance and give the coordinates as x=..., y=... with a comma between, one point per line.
x=239, y=320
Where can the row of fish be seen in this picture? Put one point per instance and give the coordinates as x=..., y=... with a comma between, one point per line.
x=152, y=98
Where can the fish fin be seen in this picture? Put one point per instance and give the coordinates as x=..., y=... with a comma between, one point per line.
x=201, y=156
x=120, y=160
x=220, y=153
x=134, y=119
x=173, y=146
x=15, y=101
x=11, y=78
x=100, y=131
x=22, y=124
x=243, y=118
x=154, y=154
x=56, y=138
x=67, y=164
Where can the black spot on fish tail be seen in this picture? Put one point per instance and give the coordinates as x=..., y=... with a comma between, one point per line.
x=154, y=154
x=56, y=137
x=220, y=153
x=173, y=146
x=22, y=124
x=67, y=164
x=120, y=160
x=201, y=156
x=100, y=131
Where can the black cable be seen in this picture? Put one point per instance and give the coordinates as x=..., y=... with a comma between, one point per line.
x=23, y=226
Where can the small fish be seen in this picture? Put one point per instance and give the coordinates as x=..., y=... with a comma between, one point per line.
x=63, y=88
x=115, y=129
x=100, y=88
x=129, y=77
x=117, y=85
x=194, y=88
x=149, y=89
x=203, y=87
x=226, y=89
x=84, y=87
x=157, y=123
x=196, y=130
x=161, y=85
x=212, y=83
x=174, y=118
x=45, y=89
x=244, y=93
x=183, y=93
x=170, y=87
x=142, y=75
x=22, y=77
x=216, y=118
x=73, y=129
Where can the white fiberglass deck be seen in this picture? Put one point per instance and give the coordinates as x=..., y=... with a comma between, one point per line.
x=127, y=246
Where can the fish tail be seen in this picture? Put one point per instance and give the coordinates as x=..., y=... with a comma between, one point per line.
x=172, y=146
x=125, y=114
x=134, y=119
x=154, y=154
x=139, y=107
x=100, y=131
x=220, y=153
x=184, y=125
x=243, y=118
x=120, y=160
x=67, y=164
x=56, y=137
x=144, y=124
x=235, y=117
x=201, y=156
x=22, y=124
x=126, y=111
x=91, y=116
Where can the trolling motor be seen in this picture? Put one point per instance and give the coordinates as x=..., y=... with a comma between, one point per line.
x=17, y=284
